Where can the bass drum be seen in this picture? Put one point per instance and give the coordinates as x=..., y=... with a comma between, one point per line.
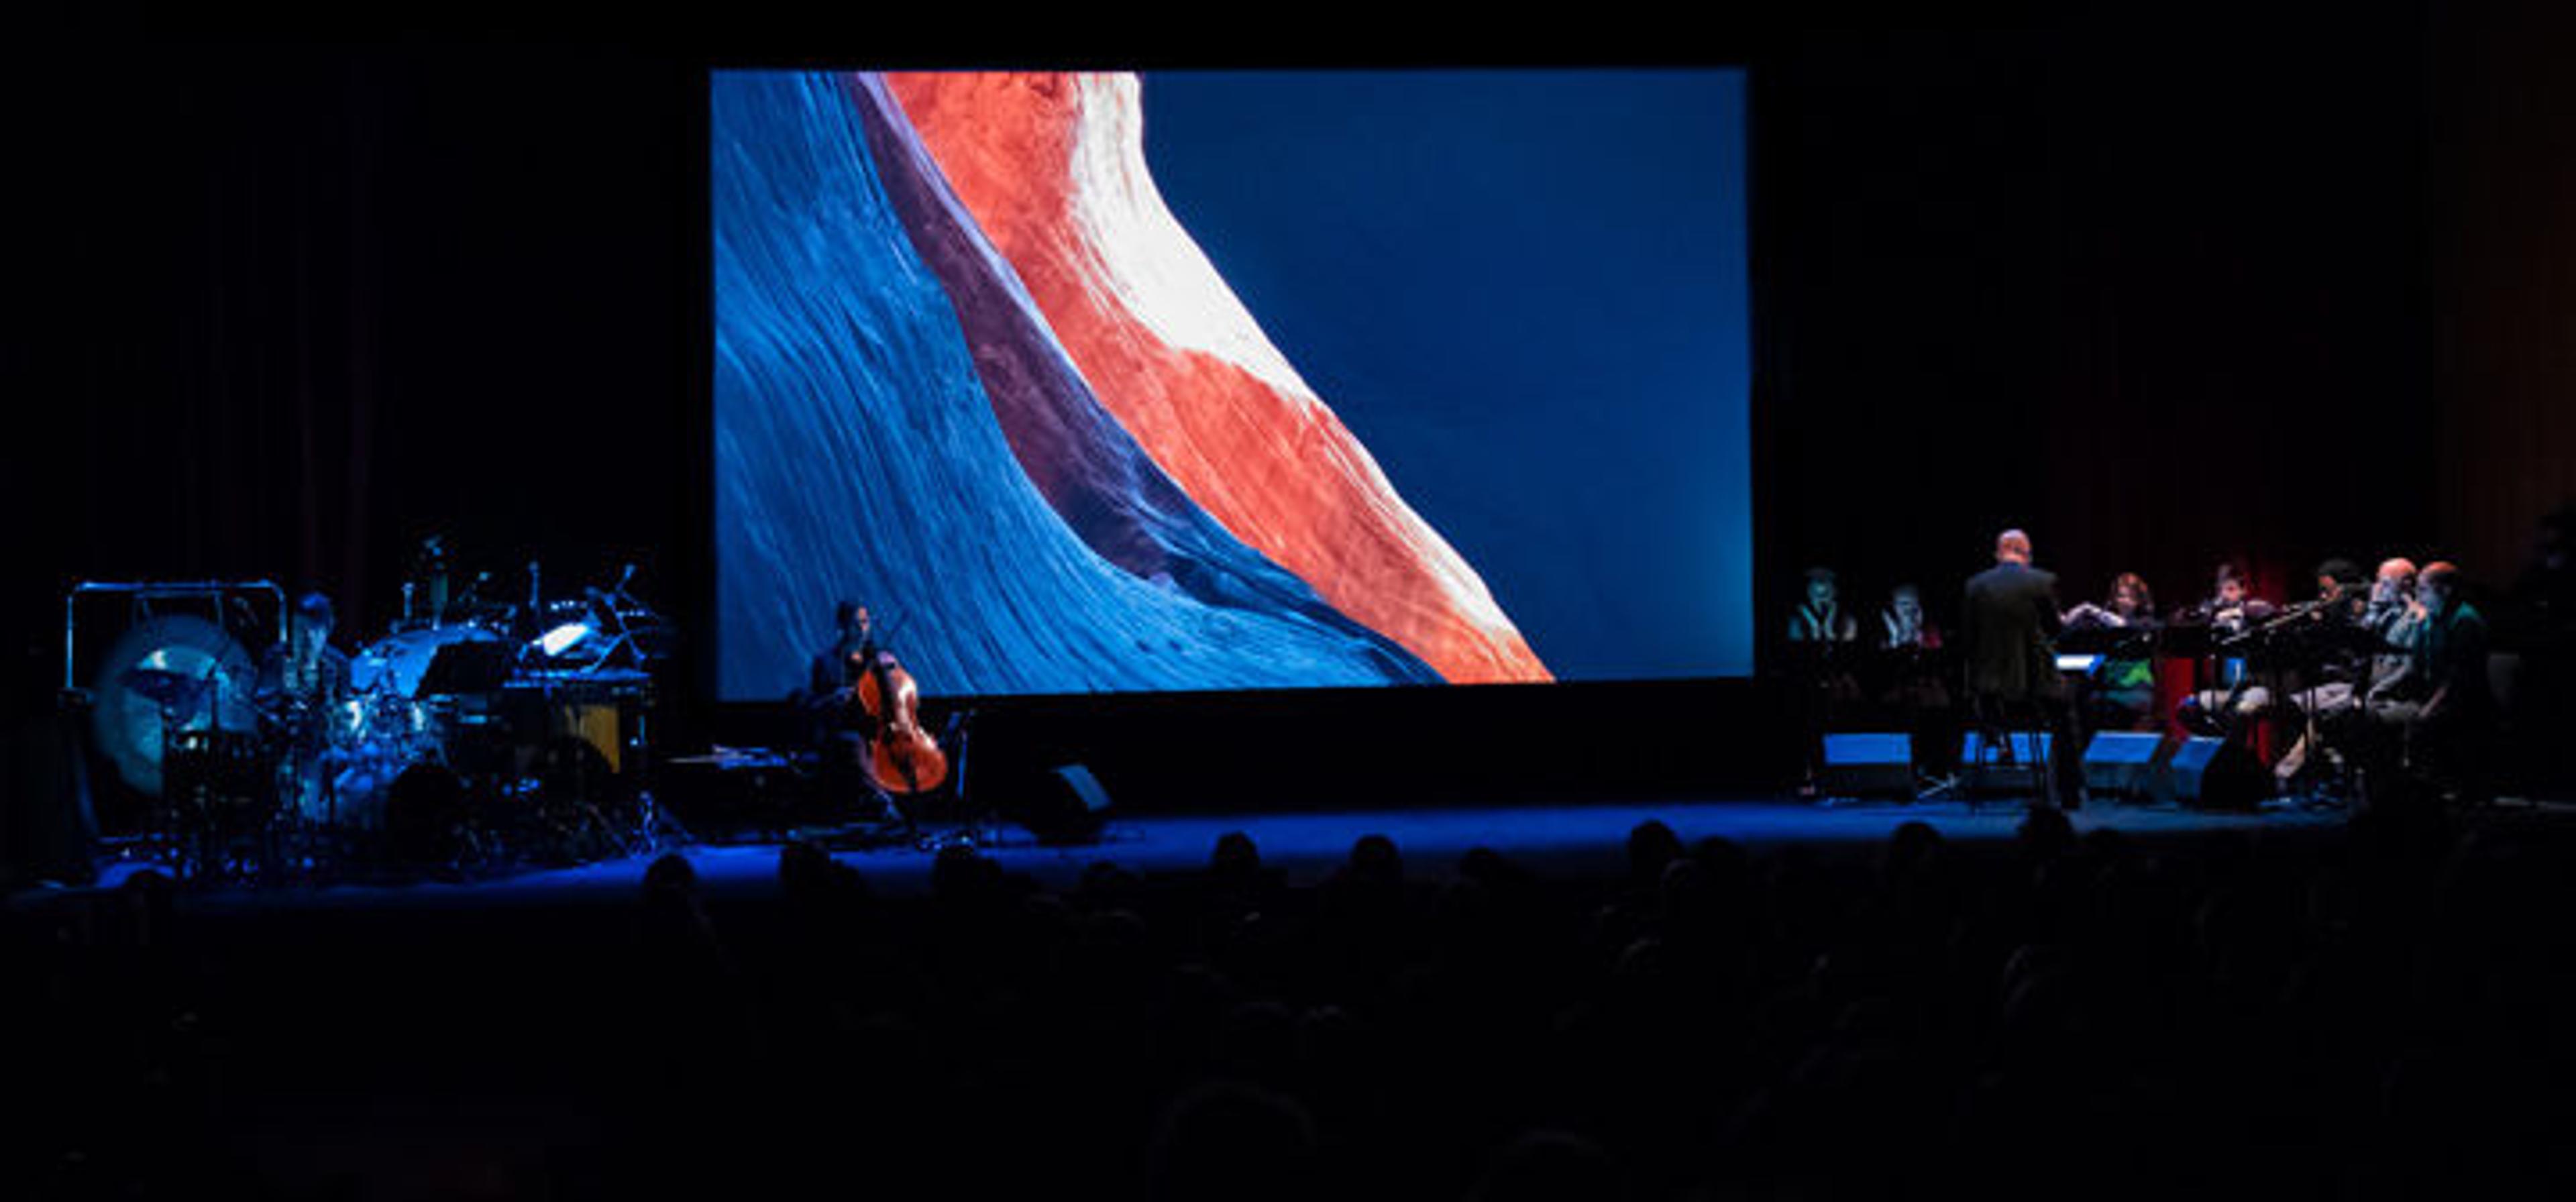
x=383, y=737
x=396, y=664
x=359, y=780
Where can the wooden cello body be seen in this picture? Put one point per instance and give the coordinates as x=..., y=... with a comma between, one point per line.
x=901, y=756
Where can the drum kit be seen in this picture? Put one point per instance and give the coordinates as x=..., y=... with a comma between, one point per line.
x=470, y=735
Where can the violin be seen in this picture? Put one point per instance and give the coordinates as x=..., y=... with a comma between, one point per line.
x=901, y=756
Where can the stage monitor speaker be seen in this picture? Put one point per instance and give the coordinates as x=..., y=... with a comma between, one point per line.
x=2122, y=763
x=1871, y=762
x=1065, y=806
x=2215, y=774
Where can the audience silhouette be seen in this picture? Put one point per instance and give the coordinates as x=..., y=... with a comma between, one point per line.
x=2369, y=1012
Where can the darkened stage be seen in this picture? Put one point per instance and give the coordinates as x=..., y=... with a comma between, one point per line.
x=1978, y=601
x=1587, y=839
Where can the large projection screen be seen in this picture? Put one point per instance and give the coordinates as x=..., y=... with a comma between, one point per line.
x=1232, y=380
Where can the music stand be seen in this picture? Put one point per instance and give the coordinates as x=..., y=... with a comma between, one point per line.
x=468, y=667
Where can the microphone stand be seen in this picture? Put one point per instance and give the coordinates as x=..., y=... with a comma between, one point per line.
x=2304, y=613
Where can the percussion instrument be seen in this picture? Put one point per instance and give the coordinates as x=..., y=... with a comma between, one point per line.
x=399, y=663
x=173, y=673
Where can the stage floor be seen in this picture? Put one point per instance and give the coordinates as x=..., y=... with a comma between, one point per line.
x=1571, y=839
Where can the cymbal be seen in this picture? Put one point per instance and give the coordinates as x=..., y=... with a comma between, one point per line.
x=736, y=757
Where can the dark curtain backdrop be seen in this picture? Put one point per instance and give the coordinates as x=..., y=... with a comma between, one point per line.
x=2269, y=285
x=281, y=311
x=2266, y=284
x=2505, y=243
x=2159, y=297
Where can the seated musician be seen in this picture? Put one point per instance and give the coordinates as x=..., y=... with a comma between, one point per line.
x=2428, y=712
x=2341, y=604
x=1820, y=617
x=2343, y=595
x=840, y=729
x=1913, y=687
x=2331, y=660
x=2130, y=607
x=1903, y=625
x=1822, y=636
x=303, y=683
x=2343, y=589
x=2384, y=618
x=853, y=635
x=2230, y=605
x=2229, y=610
x=2123, y=693
x=832, y=674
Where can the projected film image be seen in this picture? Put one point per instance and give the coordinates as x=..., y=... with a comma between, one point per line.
x=1220, y=381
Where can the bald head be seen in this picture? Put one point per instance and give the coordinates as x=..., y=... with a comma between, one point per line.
x=2012, y=546
x=2438, y=586
x=2395, y=583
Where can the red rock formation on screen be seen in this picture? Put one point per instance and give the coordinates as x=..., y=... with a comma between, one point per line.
x=1053, y=168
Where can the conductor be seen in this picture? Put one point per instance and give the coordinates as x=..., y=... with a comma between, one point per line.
x=2006, y=624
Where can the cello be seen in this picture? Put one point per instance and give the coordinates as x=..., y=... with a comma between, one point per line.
x=901, y=756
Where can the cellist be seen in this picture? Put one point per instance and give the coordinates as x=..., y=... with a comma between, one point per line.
x=878, y=706
x=843, y=731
